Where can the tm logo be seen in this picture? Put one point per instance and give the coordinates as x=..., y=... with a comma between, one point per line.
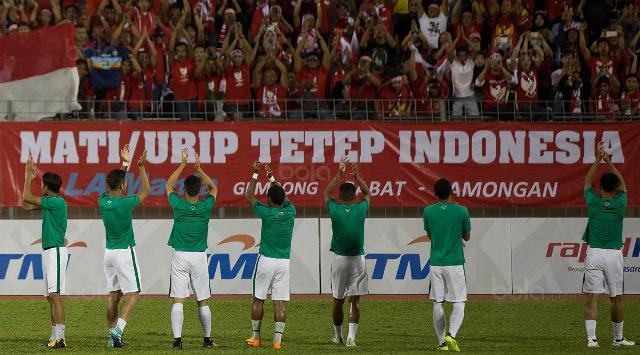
x=243, y=266
x=579, y=250
x=407, y=262
x=31, y=262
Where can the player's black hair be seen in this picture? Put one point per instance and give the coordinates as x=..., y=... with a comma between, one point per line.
x=442, y=188
x=52, y=181
x=276, y=194
x=609, y=182
x=115, y=178
x=347, y=191
x=192, y=185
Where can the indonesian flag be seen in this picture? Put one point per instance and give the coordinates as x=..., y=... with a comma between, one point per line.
x=38, y=75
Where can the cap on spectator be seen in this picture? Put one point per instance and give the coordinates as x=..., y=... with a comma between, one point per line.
x=47, y=10
x=397, y=78
x=13, y=28
x=571, y=26
x=365, y=58
x=230, y=11
x=433, y=5
x=474, y=35
x=495, y=54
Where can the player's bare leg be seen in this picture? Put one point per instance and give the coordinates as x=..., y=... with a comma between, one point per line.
x=257, y=311
x=129, y=301
x=57, y=321
x=112, y=308
x=354, y=320
x=279, y=317
x=177, y=318
x=590, y=316
x=205, y=319
x=338, y=319
x=53, y=321
x=617, y=320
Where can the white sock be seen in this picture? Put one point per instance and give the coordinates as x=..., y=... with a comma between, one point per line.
x=617, y=330
x=59, y=331
x=337, y=329
x=255, y=325
x=121, y=324
x=439, y=321
x=455, y=320
x=353, y=329
x=590, y=325
x=205, y=320
x=279, y=329
x=177, y=316
x=52, y=337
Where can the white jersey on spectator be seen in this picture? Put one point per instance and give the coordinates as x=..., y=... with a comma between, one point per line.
x=431, y=27
x=462, y=77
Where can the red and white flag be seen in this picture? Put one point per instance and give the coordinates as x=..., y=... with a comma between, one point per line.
x=38, y=75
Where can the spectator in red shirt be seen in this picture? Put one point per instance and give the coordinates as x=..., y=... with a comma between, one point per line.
x=396, y=98
x=630, y=102
x=270, y=95
x=431, y=100
x=182, y=73
x=603, y=103
x=212, y=86
x=142, y=87
x=237, y=101
x=469, y=21
x=601, y=63
x=494, y=81
x=527, y=76
x=363, y=87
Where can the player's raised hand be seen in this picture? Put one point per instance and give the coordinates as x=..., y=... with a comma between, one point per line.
x=185, y=155
x=342, y=167
x=268, y=169
x=30, y=168
x=354, y=169
x=601, y=152
x=142, y=159
x=125, y=154
x=197, y=163
x=256, y=167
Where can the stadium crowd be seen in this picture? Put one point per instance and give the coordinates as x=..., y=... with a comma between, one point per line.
x=360, y=59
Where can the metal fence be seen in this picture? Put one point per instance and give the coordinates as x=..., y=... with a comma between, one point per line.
x=396, y=109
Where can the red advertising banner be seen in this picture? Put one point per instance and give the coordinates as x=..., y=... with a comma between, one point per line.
x=489, y=163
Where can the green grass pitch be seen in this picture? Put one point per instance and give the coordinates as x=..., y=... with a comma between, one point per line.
x=387, y=327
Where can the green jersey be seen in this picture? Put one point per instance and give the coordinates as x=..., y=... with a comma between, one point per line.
x=116, y=216
x=54, y=221
x=446, y=222
x=190, y=223
x=277, y=229
x=604, y=229
x=347, y=225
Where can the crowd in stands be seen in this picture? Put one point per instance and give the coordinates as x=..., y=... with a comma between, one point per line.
x=359, y=59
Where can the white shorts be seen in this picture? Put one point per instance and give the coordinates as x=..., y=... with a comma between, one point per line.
x=271, y=276
x=603, y=272
x=189, y=268
x=447, y=283
x=348, y=276
x=54, y=265
x=122, y=270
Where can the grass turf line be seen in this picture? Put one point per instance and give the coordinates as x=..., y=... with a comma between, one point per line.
x=489, y=327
